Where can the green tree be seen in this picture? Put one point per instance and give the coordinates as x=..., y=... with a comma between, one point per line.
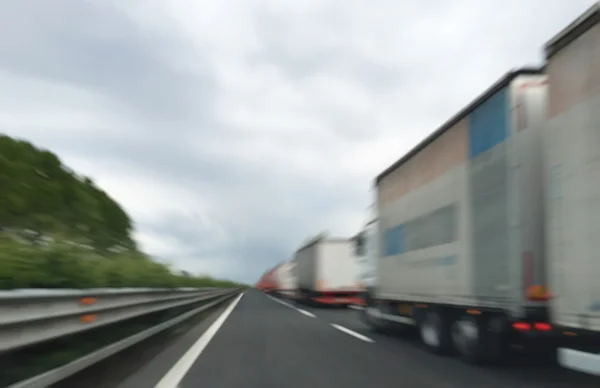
x=38, y=192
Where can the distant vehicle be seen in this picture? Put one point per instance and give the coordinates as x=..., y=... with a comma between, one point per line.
x=266, y=283
x=285, y=281
x=366, y=254
x=327, y=272
x=500, y=206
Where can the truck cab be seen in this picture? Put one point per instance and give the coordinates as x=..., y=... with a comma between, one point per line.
x=365, y=249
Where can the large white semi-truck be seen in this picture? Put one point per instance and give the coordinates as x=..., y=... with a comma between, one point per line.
x=327, y=272
x=571, y=166
x=487, y=231
x=459, y=227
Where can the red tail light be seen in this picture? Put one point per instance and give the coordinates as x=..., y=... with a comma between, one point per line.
x=542, y=326
x=521, y=326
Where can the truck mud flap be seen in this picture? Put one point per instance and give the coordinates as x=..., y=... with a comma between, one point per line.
x=579, y=361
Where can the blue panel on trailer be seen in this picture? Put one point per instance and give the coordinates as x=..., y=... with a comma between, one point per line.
x=389, y=242
x=394, y=240
x=488, y=124
x=399, y=237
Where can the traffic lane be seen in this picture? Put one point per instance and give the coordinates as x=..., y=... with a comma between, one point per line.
x=183, y=338
x=523, y=370
x=267, y=344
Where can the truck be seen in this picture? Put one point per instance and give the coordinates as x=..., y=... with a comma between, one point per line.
x=484, y=231
x=266, y=283
x=572, y=176
x=365, y=251
x=285, y=281
x=459, y=243
x=327, y=272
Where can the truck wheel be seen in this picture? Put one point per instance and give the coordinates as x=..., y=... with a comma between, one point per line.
x=434, y=328
x=370, y=313
x=469, y=338
x=371, y=316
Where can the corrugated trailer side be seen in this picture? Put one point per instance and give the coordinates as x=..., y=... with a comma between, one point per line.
x=459, y=225
x=572, y=167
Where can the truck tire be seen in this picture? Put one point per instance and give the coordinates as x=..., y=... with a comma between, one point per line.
x=471, y=339
x=370, y=317
x=371, y=313
x=434, y=329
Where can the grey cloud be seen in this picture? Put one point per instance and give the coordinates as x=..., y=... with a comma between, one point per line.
x=260, y=210
x=271, y=238
x=97, y=47
x=265, y=223
x=377, y=77
x=248, y=256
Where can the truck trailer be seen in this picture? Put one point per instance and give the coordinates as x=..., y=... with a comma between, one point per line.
x=485, y=230
x=327, y=272
x=459, y=227
x=285, y=281
x=267, y=281
x=572, y=176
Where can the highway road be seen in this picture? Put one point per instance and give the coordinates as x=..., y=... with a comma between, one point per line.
x=258, y=341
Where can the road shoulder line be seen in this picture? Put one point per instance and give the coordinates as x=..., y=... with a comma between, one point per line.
x=183, y=365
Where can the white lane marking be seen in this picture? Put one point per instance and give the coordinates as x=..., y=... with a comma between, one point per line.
x=179, y=370
x=355, y=307
x=352, y=333
x=307, y=313
x=282, y=302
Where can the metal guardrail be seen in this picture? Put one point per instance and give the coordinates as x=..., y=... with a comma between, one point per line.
x=28, y=317
x=58, y=374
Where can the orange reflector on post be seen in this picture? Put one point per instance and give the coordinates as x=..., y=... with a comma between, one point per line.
x=88, y=300
x=88, y=318
x=521, y=326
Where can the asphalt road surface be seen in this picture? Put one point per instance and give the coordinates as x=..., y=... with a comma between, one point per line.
x=258, y=341
x=261, y=342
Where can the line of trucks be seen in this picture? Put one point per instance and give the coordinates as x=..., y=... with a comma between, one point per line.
x=323, y=271
x=487, y=233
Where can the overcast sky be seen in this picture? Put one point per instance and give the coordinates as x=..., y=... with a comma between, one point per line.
x=232, y=130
